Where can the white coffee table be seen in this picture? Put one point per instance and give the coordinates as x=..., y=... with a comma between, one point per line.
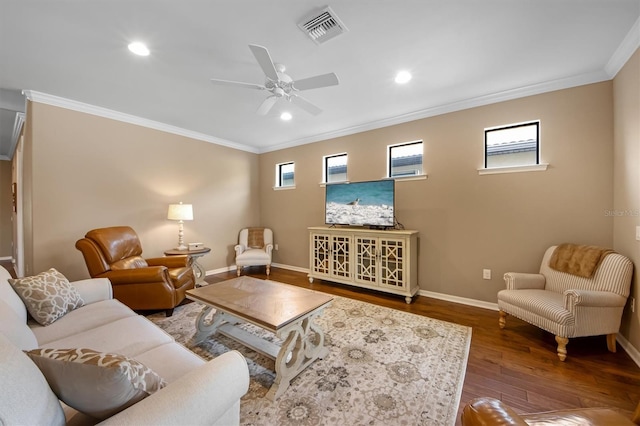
x=283, y=309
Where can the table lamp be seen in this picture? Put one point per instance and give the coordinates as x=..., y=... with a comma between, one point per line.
x=180, y=212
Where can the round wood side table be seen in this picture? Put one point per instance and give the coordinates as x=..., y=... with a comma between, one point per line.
x=198, y=270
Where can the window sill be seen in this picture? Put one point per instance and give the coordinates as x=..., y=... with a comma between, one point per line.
x=324, y=184
x=283, y=188
x=410, y=177
x=513, y=169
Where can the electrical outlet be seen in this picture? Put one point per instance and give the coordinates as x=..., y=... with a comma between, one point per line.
x=275, y=247
x=637, y=233
x=633, y=304
x=486, y=274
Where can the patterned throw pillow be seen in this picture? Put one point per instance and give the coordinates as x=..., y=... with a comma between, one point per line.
x=48, y=296
x=96, y=383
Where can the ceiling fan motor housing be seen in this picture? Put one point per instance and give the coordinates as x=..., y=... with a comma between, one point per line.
x=280, y=85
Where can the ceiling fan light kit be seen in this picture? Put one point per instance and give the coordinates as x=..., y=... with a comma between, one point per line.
x=281, y=85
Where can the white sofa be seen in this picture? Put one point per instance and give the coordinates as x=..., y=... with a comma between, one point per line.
x=197, y=392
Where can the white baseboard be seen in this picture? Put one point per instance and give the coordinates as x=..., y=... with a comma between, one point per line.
x=624, y=343
x=220, y=270
x=461, y=300
x=291, y=268
x=275, y=265
x=634, y=354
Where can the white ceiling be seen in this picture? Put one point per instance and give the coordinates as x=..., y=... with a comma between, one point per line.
x=461, y=53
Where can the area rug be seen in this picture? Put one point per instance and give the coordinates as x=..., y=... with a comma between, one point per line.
x=385, y=367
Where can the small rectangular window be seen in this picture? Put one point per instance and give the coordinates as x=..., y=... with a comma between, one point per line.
x=512, y=145
x=405, y=159
x=335, y=168
x=285, y=173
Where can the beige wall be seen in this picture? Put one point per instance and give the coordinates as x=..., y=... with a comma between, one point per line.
x=83, y=171
x=469, y=222
x=626, y=188
x=88, y=172
x=6, y=231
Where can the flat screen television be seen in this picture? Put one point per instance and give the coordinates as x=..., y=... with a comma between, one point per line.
x=360, y=203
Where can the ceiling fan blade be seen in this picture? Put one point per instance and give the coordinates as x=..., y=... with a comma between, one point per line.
x=267, y=105
x=237, y=84
x=264, y=60
x=318, y=81
x=305, y=104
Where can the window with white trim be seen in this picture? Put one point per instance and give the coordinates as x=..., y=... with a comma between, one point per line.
x=285, y=173
x=405, y=159
x=334, y=168
x=512, y=145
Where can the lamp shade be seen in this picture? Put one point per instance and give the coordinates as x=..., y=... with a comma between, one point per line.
x=180, y=212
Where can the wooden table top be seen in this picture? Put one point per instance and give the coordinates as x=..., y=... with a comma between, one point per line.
x=174, y=252
x=268, y=304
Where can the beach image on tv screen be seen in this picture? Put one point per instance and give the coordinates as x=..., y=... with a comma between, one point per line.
x=360, y=203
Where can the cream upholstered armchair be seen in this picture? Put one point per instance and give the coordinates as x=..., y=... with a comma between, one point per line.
x=254, y=248
x=580, y=291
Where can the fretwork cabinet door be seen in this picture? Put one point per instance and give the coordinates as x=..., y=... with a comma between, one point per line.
x=340, y=256
x=320, y=255
x=381, y=261
x=393, y=263
x=330, y=256
x=366, y=260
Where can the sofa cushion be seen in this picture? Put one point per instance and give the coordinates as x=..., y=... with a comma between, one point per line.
x=96, y=383
x=9, y=296
x=47, y=296
x=129, y=336
x=15, y=329
x=91, y=316
x=25, y=397
x=171, y=360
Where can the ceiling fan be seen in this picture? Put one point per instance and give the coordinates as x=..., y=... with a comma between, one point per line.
x=280, y=85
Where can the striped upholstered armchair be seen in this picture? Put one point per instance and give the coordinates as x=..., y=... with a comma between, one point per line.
x=580, y=291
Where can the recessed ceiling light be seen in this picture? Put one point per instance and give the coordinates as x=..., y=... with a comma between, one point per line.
x=139, y=48
x=403, y=77
x=286, y=116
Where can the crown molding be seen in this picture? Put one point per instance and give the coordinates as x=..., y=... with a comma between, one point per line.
x=70, y=104
x=507, y=95
x=627, y=48
x=520, y=92
x=17, y=129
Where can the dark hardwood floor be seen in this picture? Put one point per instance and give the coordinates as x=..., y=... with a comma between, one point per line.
x=519, y=364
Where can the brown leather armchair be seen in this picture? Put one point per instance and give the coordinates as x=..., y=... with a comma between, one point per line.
x=490, y=411
x=142, y=284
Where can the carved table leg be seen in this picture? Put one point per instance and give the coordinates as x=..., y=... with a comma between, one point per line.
x=206, y=328
x=303, y=344
x=562, y=347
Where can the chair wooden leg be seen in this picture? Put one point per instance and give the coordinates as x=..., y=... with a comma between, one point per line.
x=502, y=321
x=562, y=347
x=238, y=270
x=268, y=269
x=611, y=342
x=169, y=312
